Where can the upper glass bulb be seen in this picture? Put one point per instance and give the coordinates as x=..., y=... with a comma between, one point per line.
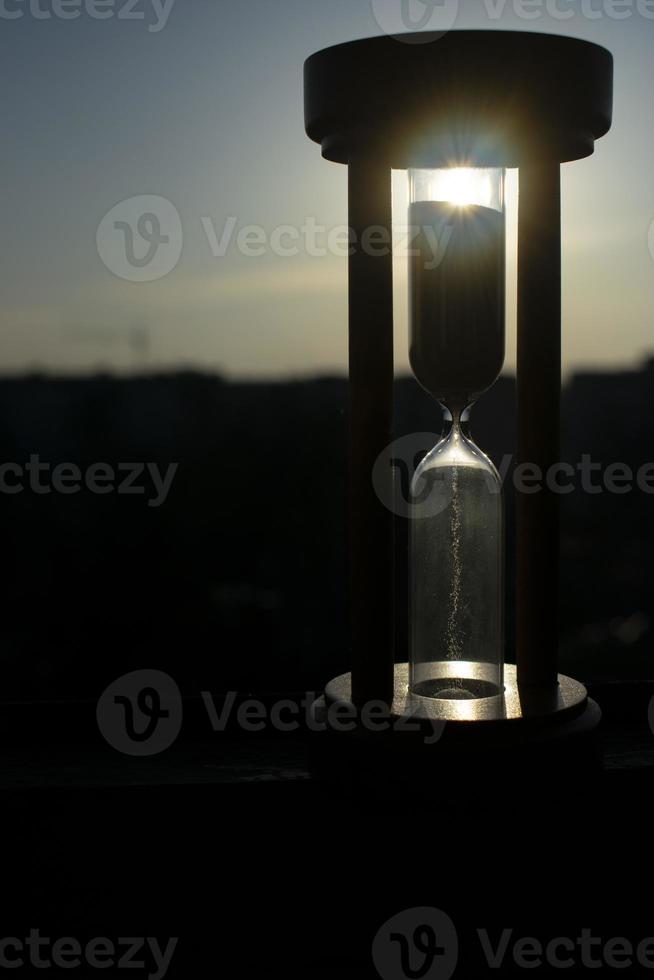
x=457, y=281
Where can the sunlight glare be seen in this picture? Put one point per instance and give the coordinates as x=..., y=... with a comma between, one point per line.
x=464, y=186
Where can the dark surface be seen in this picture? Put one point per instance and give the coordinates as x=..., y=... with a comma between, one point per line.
x=231, y=846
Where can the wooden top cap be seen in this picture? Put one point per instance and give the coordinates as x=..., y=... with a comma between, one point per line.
x=485, y=98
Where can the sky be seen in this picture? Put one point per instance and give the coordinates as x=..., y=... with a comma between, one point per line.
x=187, y=114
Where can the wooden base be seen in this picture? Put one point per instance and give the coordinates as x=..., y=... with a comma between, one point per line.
x=515, y=704
x=421, y=748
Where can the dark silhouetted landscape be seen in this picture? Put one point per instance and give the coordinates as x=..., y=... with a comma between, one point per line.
x=238, y=580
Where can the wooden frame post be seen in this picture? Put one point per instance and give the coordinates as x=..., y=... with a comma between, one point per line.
x=539, y=395
x=371, y=418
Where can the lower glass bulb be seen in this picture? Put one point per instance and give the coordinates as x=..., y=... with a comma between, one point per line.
x=457, y=593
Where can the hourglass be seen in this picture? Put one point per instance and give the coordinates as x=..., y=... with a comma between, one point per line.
x=456, y=324
x=455, y=111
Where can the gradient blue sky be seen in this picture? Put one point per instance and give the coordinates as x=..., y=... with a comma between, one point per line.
x=207, y=112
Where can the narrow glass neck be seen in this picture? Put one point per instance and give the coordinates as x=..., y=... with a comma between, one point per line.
x=456, y=428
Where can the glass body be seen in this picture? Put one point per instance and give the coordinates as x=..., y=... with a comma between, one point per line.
x=456, y=282
x=457, y=329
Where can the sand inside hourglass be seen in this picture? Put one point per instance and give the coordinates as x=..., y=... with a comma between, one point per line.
x=456, y=545
x=456, y=275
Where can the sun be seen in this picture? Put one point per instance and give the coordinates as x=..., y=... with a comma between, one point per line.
x=464, y=186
